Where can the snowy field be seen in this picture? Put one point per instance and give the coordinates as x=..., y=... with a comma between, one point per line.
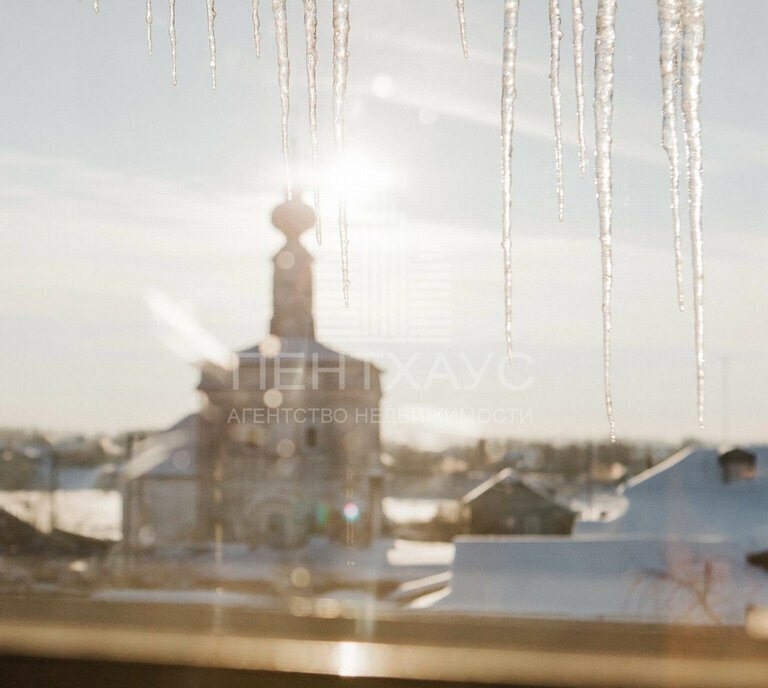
x=93, y=513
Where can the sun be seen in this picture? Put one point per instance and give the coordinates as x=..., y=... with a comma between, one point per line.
x=357, y=179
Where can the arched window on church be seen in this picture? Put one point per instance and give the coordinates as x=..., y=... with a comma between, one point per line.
x=310, y=437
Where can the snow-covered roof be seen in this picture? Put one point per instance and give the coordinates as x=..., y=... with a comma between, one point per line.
x=509, y=475
x=702, y=580
x=483, y=487
x=293, y=350
x=293, y=346
x=170, y=453
x=686, y=496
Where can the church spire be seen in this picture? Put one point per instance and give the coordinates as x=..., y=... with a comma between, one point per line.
x=292, y=288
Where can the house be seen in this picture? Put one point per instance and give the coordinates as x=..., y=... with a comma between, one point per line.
x=690, y=546
x=427, y=507
x=160, y=495
x=442, y=507
x=286, y=444
x=697, y=491
x=507, y=504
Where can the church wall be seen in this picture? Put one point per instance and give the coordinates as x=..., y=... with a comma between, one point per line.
x=294, y=427
x=163, y=511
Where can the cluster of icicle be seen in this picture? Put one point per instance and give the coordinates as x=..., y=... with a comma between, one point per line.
x=340, y=71
x=681, y=25
x=682, y=41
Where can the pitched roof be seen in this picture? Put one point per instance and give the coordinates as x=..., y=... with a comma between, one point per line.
x=483, y=487
x=686, y=496
x=169, y=453
x=294, y=346
x=509, y=475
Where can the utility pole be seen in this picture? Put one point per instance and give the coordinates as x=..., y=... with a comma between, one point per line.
x=53, y=485
x=724, y=406
x=127, y=497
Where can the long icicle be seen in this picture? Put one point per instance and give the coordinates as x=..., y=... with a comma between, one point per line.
x=554, y=82
x=578, y=68
x=605, y=40
x=670, y=15
x=172, y=35
x=212, y=40
x=96, y=6
x=256, y=27
x=284, y=82
x=310, y=30
x=149, y=26
x=693, y=49
x=463, y=28
x=340, y=71
x=508, y=95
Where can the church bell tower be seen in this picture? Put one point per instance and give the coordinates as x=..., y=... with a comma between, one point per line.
x=292, y=287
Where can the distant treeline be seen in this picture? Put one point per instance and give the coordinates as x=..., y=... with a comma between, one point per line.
x=28, y=457
x=568, y=460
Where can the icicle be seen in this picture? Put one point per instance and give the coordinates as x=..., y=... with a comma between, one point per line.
x=212, y=41
x=340, y=70
x=693, y=48
x=149, y=26
x=508, y=95
x=172, y=34
x=96, y=6
x=554, y=81
x=463, y=28
x=669, y=26
x=284, y=81
x=256, y=27
x=578, y=66
x=310, y=29
x=605, y=40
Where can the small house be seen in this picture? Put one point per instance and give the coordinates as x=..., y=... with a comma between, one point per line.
x=507, y=505
x=737, y=464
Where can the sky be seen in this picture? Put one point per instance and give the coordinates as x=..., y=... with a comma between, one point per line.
x=119, y=191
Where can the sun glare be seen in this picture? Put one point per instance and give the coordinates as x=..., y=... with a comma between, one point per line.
x=357, y=179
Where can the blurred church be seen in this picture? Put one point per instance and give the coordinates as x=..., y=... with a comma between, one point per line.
x=286, y=445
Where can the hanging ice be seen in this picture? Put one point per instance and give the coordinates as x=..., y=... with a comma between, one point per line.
x=605, y=40
x=578, y=66
x=256, y=27
x=172, y=34
x=212, y=41
x=284, y=81
x=462, y=27
x=508, y=95
x=681, y=27
x=670, y=31
x=693, y=49
x=149, y=26
x=310, y=29
x=554, y=82
x=340, y=70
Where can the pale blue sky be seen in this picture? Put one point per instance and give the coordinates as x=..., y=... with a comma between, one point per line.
x=116, y=184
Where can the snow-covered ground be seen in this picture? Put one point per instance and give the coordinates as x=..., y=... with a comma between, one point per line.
x=319, y=563
x=672, y=548
x=601, y=506
x=694, y=581
x=89, y=512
